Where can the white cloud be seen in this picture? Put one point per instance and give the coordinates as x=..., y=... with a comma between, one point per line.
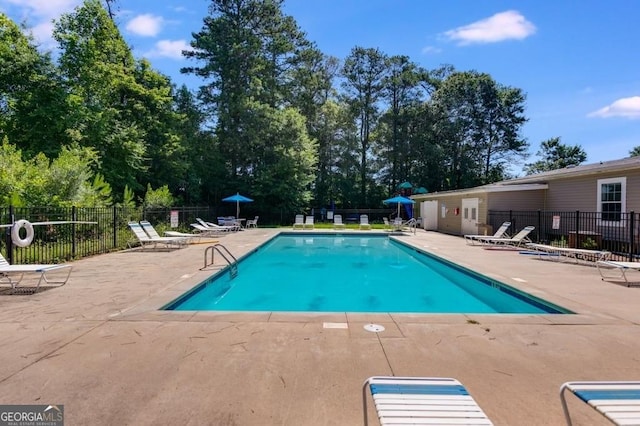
x=431, y=50
x=502, y=26
x=169, y=49
x=38, y=14
x=624, y=107
x=45, y=9
x=145, y=25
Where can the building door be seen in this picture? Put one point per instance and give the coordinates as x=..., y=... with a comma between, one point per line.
x=469, y=216
x=429, y=213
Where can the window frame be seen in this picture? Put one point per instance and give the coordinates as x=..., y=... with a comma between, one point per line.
x=623, y=201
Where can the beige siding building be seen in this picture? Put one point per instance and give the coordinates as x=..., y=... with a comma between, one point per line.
x=608, y=190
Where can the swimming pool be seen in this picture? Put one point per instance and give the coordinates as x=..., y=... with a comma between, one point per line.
x=354, y=273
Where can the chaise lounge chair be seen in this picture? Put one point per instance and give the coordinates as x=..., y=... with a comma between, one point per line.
x=252, y=223
x=145, y=240
x=213, y=227
x=337, y=222
x=560, y=253
x=421, y=401
x=617, y=401
x=619, y=269
x=299, y=222
x=13, y=274
x=189, y=238
x=364, y=222
x=517, y=240
x=308, y=223
x=500, y=233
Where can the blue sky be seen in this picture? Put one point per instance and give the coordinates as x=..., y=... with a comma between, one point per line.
x=577, y=62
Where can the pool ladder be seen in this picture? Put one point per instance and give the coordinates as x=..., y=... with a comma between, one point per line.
x=225, y=253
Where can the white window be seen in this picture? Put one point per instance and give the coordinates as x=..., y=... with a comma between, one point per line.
x=612, y=200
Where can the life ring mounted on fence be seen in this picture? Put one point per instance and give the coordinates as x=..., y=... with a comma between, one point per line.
x=15, y=233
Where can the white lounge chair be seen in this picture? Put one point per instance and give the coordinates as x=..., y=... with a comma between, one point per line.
x=215, y=227
x=308, y=223
x=299, y=222
x=501, y=232
x=422, y=401
x=145, y=240
x=387, y=225
x=337, y=222
x=13, y=274
x=252, y=223
x=560, y=253
x=619, y=269
x=517, y=240
x=364, y=222
x=618, y=401
x=151, y=232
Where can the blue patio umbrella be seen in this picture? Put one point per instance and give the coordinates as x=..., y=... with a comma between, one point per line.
x=405, y=185
x=398, y=200
x=237, y=198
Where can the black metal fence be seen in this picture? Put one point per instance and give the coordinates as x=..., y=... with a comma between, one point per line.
x=588, y=230
x=82, y=232
x=73, y=233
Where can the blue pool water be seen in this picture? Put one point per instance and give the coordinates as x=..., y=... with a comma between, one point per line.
x=353, y=273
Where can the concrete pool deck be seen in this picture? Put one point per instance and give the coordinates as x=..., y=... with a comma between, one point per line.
x=100, y=346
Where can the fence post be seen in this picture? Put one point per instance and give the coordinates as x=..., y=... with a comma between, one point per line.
x=12, y=219
x=577, y=242
x=632, y=239
x=115, y=227
x=74, y=218
x=539, y=227
x=511, y=220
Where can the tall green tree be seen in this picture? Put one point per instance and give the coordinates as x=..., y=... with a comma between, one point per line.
x=403, y=88
x=364, y=72
x=556, y=155
x=480, y=122
x=100, y=74
x=33, y=107
x=247, y=53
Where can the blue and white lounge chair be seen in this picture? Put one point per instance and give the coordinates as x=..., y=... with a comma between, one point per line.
x=617, y=401
x=13, y=274
x=422, y=400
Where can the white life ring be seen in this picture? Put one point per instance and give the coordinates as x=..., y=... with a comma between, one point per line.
x=15, y=233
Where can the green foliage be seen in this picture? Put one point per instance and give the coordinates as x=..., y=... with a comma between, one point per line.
x=478, y=122
x=104, y=96
x=635, y=151
x=160, y=197
x=63, y=181
x=128, y=198
x=33, y=106
x=556, y=155
x=99, y=194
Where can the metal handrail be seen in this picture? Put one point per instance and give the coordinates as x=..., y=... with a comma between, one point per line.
x=233, y=265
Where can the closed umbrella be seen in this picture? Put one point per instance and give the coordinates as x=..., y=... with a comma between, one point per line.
x=237, y=198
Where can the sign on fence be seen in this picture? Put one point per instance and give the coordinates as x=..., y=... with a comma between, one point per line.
x=556, y=222
x=174, y=219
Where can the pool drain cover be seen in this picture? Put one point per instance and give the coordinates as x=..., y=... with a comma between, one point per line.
x=374, y=328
